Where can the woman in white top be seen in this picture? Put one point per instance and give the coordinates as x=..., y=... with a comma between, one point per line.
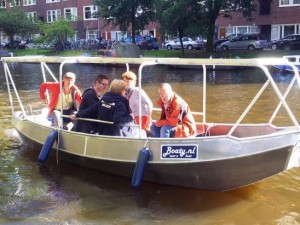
x=132, y=93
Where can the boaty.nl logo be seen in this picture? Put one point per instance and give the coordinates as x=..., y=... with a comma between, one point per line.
x=180, y=152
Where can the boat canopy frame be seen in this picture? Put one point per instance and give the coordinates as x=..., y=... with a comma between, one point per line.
x=261, y=63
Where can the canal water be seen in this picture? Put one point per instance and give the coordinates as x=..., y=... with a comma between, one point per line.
x=61, y=193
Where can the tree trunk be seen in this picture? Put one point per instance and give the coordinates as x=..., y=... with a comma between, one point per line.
x=181, y=43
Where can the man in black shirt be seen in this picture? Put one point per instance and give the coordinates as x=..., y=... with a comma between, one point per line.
x=89, y=97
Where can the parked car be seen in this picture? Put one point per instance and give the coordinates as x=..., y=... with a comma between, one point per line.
x=145, y=43
x=15, y=45
x=188, y=43
x=288, y=42
x=220, y=41
x=249, y=42
x=138, y=39
x=149, y=43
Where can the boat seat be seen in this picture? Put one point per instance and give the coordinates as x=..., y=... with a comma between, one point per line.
x=201, y=130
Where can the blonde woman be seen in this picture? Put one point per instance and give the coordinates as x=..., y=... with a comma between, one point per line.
x=132, y=93
x=113, y=107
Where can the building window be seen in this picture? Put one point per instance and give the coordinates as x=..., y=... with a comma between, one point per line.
x=2, y=4
x=70, y=13
x=91, y=34
x=32, y=16
x=284, y=2
x=50, y=1
x=14, y=3
x=89, y=12
x=53, y=15
x=241, y=30
x=288, y=29
x=289, y=2
x=29, y=2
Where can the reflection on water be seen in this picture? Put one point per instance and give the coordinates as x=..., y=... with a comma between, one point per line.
x=61, y=193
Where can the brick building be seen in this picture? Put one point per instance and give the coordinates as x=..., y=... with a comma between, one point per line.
x=86, y=27
x=274, y=20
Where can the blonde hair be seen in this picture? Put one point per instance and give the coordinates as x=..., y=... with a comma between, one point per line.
x=117, y=86
x=129, y=75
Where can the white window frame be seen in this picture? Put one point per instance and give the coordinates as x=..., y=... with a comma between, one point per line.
x=289, y=3
x=73, y=13
x=51, y=1
x=32, y=15
x=53, y=15
x=29, y=2
x=92, y=8
x=15, y=3
x=3, y=4
x=91, y=34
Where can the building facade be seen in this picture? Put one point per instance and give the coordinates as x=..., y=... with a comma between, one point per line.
x=274, y=20
x=79, y=11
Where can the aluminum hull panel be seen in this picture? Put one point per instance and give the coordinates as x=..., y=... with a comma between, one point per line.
x=223, y=163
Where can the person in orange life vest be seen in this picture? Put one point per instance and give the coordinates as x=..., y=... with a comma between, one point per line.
x=69, y=101
x=132, y=94
x=176, y=119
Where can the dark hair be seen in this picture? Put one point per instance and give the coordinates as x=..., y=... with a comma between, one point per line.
x=100, y=78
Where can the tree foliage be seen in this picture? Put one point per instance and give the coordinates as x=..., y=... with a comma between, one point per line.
x=126, y=13
x=197, y=18
x=59, y=30
x=211, y=9
x=176, y=18
x=16, y=22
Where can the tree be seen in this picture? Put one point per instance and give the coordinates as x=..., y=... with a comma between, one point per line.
x=194, y=17
x=58, y=31
x=211, y=9
x=16, y=22
x=126, y=13
x=175, y=17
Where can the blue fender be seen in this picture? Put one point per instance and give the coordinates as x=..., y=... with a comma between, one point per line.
x=143, y=158
x=52, y=137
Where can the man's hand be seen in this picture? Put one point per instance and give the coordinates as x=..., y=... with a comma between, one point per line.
x=73, y=117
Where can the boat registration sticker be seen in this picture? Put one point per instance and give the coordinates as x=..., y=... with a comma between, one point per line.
x=180, y=152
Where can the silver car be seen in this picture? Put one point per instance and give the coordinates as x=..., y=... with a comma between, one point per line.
x=249, y=42
x=188, y=43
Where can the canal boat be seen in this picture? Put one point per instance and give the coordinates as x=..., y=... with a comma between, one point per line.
x=293, y=59
x=220, y=157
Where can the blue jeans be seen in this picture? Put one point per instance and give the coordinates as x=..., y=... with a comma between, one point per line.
x=163, y=132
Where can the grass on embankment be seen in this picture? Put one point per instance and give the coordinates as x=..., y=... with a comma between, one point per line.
x=169, y=53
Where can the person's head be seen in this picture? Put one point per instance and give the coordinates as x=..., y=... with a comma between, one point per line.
x=130, y=78
x=165, y=92
x=101, y=83
x=69, y=79
x=118, y=87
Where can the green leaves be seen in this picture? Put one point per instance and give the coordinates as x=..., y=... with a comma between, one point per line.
x=58, y=30
x=126, y=14
x=15, y=22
